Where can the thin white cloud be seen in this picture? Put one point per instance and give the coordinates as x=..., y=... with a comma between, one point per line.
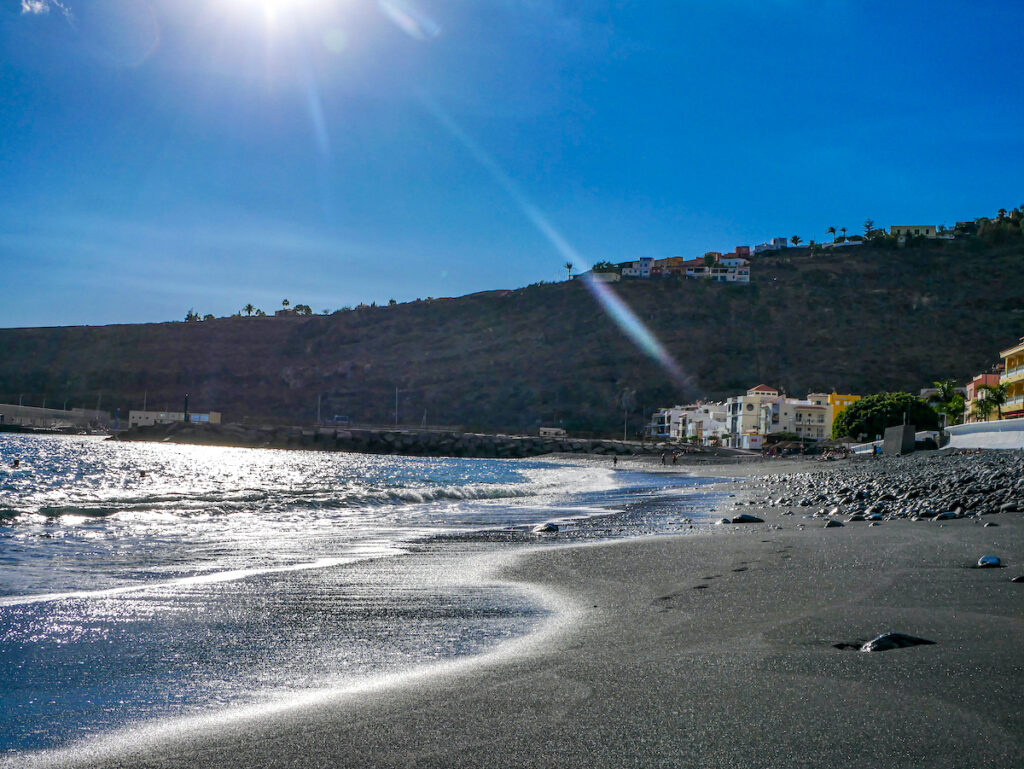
x=37, y=7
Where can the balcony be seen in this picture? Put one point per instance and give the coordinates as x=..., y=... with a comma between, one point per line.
x=1017, y=401
x=1012, y=373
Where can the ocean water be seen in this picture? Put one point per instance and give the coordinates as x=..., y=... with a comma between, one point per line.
x=149, y=581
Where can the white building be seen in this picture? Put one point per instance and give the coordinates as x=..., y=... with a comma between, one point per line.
x=668, y=424
x=707, y=423
x=808, y=418
x=774, y=244
x=641, y=268
x=720, y=273
x=744, y=413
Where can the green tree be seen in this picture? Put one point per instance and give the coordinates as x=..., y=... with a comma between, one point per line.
x=285, y=303
x=832, y=231
x=710, y=259
x=208, y=316
x=795, y=240
x=260, y=314
x=568, y=267
x=983, y=408
x=997, y=394
x=249, y=309
x=843, y=231
x=871, y=415
x=191, y=316
x=947, y=400
x=392, y=302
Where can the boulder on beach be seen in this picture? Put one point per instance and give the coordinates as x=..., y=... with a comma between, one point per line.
x=888, y=641
x=989, y=562
x=1018, y=578
x=746, y=518
x=545, y=528
x=832, y=524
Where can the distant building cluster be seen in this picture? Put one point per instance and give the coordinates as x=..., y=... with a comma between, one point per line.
x=744, y=421
x=147, y=418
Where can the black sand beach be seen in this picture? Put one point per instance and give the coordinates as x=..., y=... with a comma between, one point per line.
x=713, y=651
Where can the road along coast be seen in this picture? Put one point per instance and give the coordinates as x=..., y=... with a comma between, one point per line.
x=716, y=651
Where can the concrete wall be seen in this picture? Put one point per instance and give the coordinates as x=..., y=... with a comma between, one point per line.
x=1007, y=434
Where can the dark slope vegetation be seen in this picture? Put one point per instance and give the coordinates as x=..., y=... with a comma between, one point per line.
x=857, y=320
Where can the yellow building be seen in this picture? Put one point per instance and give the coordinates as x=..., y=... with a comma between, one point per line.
x=840, y=403
x=1013, y=378
x=928, y=230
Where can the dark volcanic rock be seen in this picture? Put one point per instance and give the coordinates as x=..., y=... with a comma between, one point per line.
x=746, y=518
x=921, y=486
x=888, y=641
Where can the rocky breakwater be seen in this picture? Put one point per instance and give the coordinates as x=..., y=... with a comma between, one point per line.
x=918, y=487
x=428, y=443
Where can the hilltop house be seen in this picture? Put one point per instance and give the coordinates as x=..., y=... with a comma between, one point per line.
x=641, y=268
x=774, y=244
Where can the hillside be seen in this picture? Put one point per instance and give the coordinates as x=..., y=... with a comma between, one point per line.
x=858, y=320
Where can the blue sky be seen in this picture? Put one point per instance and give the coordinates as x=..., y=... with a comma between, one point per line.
x=173, y=154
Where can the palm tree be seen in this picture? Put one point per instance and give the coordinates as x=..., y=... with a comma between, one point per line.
x=945, y=393
x=795, y=240
x=998, y=394
x=983, y=408
x=285, y=303
x=832, y=231
x=568, y=266
x=843, y=230
x=249, y=309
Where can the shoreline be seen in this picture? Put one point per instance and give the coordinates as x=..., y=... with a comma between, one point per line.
x=680, y=650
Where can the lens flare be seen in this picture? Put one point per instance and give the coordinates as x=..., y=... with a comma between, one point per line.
x=612, y=303
x=412, y=21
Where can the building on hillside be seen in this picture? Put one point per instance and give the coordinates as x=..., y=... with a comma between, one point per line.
x=147, y=418
x=840, y=403
x=599, y=277
x=903, y=231
x=551, y=432
x=641, y=268
x=732, y=260
x=974, y=393
x=775, y=244
x=1013, y=378
x=36, y=416
x=720, y=273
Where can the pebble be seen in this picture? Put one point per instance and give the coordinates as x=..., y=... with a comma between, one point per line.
x=545, y=528
x=916, y=486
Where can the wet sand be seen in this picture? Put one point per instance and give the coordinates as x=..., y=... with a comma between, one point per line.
x=709, y=651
